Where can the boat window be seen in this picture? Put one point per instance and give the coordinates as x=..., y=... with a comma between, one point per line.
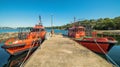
x=83, y=30
x=32, y=30
x=22, y=35
x=73, y=30
x=36, y=30
x=80, y=29
x=42, y=29
x=77, y=30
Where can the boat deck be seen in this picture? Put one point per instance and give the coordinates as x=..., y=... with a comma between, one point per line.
x=60, y=51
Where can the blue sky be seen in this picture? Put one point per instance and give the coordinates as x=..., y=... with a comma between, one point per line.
x=19, y=13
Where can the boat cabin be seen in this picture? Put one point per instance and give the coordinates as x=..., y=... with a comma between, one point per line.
x=37, y=31
x=76, y=32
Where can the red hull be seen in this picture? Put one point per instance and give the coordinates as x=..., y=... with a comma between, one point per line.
x=97, y=44
x=102, y=45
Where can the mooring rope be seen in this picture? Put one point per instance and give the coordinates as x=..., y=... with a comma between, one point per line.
x=27, y=54
x=106, y=54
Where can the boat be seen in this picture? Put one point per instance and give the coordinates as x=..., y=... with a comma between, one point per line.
x=76, y=31
x=100, y=45
x=26, y=41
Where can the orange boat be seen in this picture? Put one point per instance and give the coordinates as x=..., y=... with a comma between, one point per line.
x=25, y=41
x=97, y=44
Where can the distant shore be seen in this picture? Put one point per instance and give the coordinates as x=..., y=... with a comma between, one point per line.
x=6, y=35
x=108, y=31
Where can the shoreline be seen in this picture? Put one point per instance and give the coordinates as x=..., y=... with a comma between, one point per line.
x=108, y=31
x=6, y=35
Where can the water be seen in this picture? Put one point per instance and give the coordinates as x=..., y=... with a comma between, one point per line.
x=3, y=56
x=6, y=59
x=48, y=30
x=8, y=30
x=114, y=53
x=57, y=31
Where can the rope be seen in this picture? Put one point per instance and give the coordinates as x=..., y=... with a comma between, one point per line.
x=27, y=54
x=106, y=54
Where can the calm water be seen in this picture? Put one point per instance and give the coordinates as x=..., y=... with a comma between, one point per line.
x=5, y=58
x=8, y=30
x=57, y=31
x=114, y=53
x=48, y=30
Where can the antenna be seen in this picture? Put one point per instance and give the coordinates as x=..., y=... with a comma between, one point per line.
x=74, y=19
x=52, y=30
x=40, y=22
x=51, y=20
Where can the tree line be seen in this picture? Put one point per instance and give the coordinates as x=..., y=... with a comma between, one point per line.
x=97, y=24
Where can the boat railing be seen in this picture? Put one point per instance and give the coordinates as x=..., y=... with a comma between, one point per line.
x=111, y=38
x=22, y=35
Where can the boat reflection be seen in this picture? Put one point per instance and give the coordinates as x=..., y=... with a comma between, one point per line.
x=16, y=61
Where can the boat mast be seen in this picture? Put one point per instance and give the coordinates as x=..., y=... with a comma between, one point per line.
x=40, y=22
x=52, y=30
x=74, y=21
x=52, y=21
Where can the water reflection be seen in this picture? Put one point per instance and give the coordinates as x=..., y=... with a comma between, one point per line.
x=16, y=61
x=3, y=56
x=7, y=60
x=114, y=53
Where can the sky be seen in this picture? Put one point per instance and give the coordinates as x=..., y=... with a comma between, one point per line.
x=24, y=13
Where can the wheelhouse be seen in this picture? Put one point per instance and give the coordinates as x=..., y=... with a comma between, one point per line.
x=76, y=32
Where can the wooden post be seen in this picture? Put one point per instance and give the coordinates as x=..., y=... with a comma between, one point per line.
x=52, y=30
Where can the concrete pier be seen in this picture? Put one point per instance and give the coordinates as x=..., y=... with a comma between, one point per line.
x=61, y=51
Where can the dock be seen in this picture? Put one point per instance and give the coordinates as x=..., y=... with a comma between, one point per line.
x=61, y=51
